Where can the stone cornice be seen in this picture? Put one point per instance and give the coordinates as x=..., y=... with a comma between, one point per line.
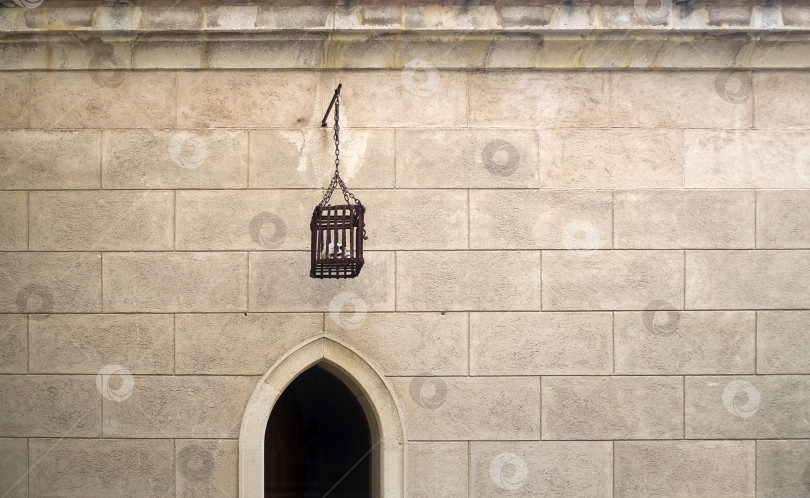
x=379, y=37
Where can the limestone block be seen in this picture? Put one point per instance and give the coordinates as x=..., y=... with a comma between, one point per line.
x=611, y=158
x=50, y=159
x=471, y=408
x=612, y=407
x=747, y=158
x=303, y=17
x=49, y=406
x=14, y=467
x=280, y=281
x=118, y=99
x=382, y=16
x=540, y=343
x=782, y=342
x=306, y=158
x=546, y=99
x=540, y=219
x=13, y=344
x=85, y=51
x=46, y=282
x=541, y=468
x=276, y=51
x=175, y=282
x=658, y=341
x=782, y=468
x=83, y=344
x=206, y=467
x=170, y=18
x=782, y=221
x=782, y=99
x=684, y=219
x=102, y=467
x=14, y=221
x=159, y=51
x=175, y=159
x=187, y=406
x=747, y=279
x=99, y=221
x=15, y=89
x=23, y=53
x=482, y=158
x=750, y=407
x=406, y=343
x=679, y=99
x=437, y=469
x=234, y=344
x=231, y=18
x=611, y=280
x=684, y=468
x=468, y=280
x=246, y=99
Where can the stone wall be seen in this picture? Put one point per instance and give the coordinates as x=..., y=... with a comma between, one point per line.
x=587, y=271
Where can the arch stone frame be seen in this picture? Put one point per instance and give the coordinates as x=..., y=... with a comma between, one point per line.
x=372, y=391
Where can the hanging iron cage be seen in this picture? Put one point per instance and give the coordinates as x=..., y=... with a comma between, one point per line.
x=338, y=231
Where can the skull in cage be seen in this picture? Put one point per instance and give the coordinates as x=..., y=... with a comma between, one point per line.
x=333, y=251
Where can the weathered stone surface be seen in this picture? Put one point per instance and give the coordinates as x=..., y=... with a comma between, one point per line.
x=747, y=279
x=245, y=219
x=483, y=158
x=782, y=221
x=206, y=467
x=611, y=280
x=406, y=343
x=50, y=159
x=160, y=406
x=782, y=468
x=102, y=467
x=175, y=282
x=15, y=91
x=676, y=99
x=766, y=406
x=247, y=99
x=280, y=281
x=419, y=95
x=546, y=99
x=23, y=53
x=540, y=343
x=658, y=341
x=465, y=280
x=95, y=99
x=14, y=221
x=167, y=52
x=611, y=158
x=456, y=408
x=82, y=344
x=81, y=51
x=782, y=99
x=266, y=51
x=684, y=219
x=46, y=282
x=684, y=468
x=234, y=344
x=437, y=469
x=49, y=406
x=612, y=408
x=99, y=221
x=747, y=158
x=538, y=219
x=170, y=17
x=175, y=159
x=13, y=344
x=541, y=468
x=783, y=342
x=14, y=467
x=305, y=158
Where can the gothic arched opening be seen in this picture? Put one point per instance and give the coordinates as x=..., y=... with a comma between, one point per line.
x=317, y=441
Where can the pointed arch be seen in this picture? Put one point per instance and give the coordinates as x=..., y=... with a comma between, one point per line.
x=373, y=392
